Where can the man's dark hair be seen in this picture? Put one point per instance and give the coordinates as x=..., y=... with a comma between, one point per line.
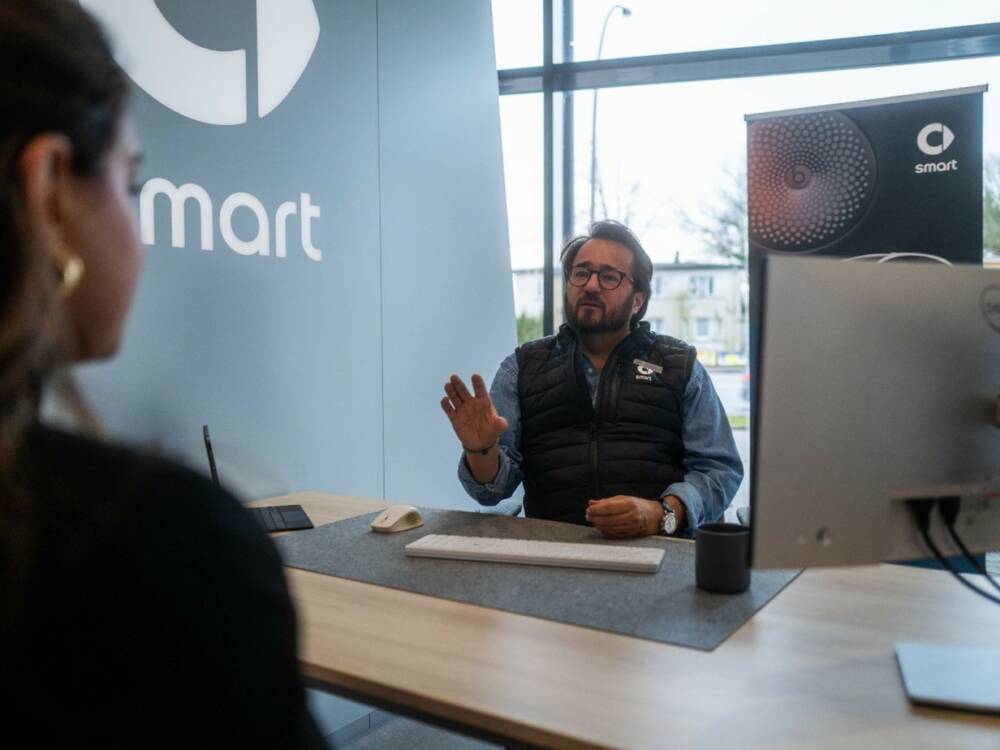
x=614, y=231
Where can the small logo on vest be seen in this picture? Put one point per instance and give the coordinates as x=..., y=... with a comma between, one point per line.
x=645, y=370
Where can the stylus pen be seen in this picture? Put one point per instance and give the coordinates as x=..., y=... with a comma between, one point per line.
x=211, y=455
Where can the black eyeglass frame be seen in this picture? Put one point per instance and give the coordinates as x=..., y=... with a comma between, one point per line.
x=591, y=271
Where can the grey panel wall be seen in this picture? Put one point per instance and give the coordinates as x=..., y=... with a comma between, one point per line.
x=316, y=374
x=448, y=305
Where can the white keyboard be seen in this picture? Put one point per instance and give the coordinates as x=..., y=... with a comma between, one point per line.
x=532, y=552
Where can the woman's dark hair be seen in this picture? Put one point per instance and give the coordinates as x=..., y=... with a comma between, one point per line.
x=642, y=266
x=58, y=76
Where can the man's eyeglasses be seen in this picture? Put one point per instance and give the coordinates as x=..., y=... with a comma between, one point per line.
x=608, y=278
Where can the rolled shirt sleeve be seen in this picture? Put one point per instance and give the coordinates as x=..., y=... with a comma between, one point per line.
x=712, y=466
x=503, y=391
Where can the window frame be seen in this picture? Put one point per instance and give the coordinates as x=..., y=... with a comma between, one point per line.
x=557, y=82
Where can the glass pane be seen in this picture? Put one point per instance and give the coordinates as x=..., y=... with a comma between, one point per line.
x=654, y=27
x=671, y=153
x=521, y=136
x=517, y=33
x=670, y=163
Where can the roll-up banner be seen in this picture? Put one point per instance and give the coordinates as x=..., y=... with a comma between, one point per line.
x=885, y=180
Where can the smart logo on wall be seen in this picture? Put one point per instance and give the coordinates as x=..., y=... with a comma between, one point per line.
x=204, y=84
x=210, y=86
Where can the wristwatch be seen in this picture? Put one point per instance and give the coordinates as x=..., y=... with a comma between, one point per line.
x=668, y=524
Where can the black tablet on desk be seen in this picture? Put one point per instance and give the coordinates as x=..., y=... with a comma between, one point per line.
x=281, y=518
x=272, y=517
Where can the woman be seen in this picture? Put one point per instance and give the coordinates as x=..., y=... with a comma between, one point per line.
x=139, y=604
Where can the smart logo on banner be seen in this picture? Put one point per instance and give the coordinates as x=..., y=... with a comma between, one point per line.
x=943, y=138
x=901, y=175
x=210, y=86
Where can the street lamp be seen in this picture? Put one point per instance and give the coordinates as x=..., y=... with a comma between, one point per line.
x=593, y=118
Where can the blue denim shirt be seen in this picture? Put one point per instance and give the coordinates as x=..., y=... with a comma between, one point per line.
x=712, y=466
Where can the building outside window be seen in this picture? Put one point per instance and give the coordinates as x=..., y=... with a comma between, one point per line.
x=657, y=285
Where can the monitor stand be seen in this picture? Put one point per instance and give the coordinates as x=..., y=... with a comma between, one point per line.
x=966, y=678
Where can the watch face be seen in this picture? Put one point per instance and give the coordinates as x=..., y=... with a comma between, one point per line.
x=669, y=523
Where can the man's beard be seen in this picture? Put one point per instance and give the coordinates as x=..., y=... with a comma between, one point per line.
x=609, y=320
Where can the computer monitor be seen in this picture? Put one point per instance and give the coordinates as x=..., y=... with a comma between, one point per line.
x=875, y=383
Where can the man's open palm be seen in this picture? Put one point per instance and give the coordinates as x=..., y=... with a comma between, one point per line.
x=472, y=416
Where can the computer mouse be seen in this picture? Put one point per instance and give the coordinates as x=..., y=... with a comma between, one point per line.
x=397, y=518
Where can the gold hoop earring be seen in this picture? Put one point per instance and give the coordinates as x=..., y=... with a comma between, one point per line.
x=70, y=268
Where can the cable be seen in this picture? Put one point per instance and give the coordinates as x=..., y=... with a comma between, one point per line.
x=921, y=510
x=949, y=508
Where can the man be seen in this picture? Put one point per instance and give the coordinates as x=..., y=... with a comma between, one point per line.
x=605, y=422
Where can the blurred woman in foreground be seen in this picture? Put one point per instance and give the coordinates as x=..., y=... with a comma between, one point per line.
x=139, y=604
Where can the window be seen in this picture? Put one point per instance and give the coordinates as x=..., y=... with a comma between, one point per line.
x=671, y=158
x=517, y=33
x=521, y=125
x=521, y=136
x=654, y=27
x=701, y=286
x=656, y=284
x=702, y=328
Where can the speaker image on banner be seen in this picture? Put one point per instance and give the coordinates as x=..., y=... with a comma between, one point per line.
x=880, y=180
x=813, y=179
x=888, y=176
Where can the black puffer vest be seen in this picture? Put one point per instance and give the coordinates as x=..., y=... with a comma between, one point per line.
x=628, y=443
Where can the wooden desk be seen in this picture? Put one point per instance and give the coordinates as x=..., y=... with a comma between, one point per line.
x=815, y=668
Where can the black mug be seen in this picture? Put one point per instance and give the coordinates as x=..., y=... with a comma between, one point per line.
x=721, y=558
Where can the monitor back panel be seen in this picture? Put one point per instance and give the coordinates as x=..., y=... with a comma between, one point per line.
x=875, y=381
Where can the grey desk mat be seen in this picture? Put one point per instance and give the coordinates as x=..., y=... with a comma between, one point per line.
x=665, y=607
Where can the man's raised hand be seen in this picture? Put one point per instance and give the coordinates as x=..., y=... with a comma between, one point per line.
x=472, y=415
